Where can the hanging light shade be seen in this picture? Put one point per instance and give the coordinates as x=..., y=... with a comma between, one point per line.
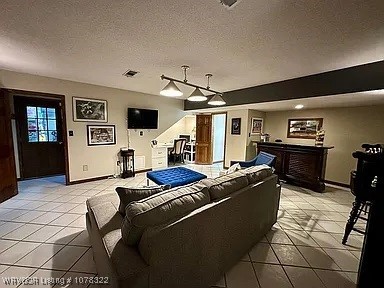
x=216, y=100
x=171, y=90
x=197, y=96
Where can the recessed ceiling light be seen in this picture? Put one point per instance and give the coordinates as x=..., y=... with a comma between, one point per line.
x=299, y=106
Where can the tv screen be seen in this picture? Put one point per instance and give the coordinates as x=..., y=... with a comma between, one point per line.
x=142, y=118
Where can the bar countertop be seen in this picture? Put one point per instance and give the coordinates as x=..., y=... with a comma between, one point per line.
x=293, y=145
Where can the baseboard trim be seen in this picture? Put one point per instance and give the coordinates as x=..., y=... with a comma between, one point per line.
x=89, y=180
x=337, y=183
x=102, y=177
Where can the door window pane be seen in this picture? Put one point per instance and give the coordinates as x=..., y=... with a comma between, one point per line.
x=42, y=124
x=52, y=136
x=32, y=124
x=51, y=112
x=43, y=136
x=31, y=112
x=41, y=112
x=51, y=124
x=32, y=136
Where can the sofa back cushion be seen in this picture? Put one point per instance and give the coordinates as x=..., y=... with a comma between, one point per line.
x=127, y=195
x=161, y=208
x=222, y=186
x=257, y=173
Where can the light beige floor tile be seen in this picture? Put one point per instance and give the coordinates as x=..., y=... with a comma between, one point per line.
x=300, y=237
x=40, y=255
x=17, y=273
x=326, y=240
x=65, y=258
x=81, y=240
x=335, y=279
x=64, y=220
x=242, y=275
x=79, y=222
x=263, y=252
x=344, y=259
x=318, y=258
x=85, y=263
x=5, y=244
x=303, y=277
x=16, y=252
x=22, y=232
x=46, y=218
x=278, y=237
x=65, y=207
x=289, y=255
x=50, y=206
x=43, y=234
x=65, y=235
x=9, y=227
x=352, y=276
x=29, y=216
x=271, y=276
x=3, y=268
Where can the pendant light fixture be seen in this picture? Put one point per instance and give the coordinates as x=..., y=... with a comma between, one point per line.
x=171, y=90
x=197, y=95
x=216, y=100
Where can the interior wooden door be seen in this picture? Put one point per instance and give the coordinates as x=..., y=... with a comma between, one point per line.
x=203, y=139
x=40, y=136
x=8, y=178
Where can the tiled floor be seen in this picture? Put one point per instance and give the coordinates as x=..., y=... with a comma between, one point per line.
x=42, y=233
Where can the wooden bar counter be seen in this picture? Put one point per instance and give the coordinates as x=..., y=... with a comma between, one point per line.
x=303, y=165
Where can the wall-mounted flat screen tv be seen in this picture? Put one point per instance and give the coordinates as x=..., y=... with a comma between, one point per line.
x=142, y=118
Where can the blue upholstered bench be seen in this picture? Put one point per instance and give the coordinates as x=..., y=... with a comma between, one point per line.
x=175, y=176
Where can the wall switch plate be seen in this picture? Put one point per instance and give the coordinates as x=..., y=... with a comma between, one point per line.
x=70, y=132
x=85, y=167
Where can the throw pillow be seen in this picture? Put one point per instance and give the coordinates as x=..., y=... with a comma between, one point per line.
x=233, y=168
x=127, y=195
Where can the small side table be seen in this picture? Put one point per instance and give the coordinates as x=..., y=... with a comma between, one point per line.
x=128, y=163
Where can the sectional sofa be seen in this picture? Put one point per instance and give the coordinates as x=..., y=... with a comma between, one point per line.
x=188, y=236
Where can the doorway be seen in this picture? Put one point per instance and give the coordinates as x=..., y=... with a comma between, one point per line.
x=39, y=135
x=218, y=141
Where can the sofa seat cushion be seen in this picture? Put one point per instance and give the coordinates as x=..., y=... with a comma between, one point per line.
x=223, y=185
x=257, y=173
x=161, y=208
x=127, y=195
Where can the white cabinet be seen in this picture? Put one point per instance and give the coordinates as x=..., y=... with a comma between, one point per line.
x=159, y=157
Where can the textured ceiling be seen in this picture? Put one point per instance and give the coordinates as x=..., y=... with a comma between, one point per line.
x=256, y=42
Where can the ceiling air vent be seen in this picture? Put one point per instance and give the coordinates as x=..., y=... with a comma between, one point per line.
x=130, y=73
x=229, y=4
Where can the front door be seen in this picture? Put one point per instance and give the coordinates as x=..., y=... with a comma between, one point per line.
x=40, y=136
x=8, y=179
x=203, y=139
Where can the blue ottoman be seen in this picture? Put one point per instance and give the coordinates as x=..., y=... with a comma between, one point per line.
x=175, y=176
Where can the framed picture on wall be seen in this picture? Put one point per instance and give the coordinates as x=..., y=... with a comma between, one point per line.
x=305, y=128
x=101, y=135
x=236, y=126
x=89, y=110
x=256, y=126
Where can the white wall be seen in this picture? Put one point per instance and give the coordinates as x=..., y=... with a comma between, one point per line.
x=182, y=127
x=236, y=144
x=345, y=128
x=101, y=160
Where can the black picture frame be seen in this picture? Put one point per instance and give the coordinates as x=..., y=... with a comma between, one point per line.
x=101, y=135
x=236, y=126
x=89, y=110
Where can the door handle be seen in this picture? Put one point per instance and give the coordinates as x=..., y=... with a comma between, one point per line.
x=61, y=143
